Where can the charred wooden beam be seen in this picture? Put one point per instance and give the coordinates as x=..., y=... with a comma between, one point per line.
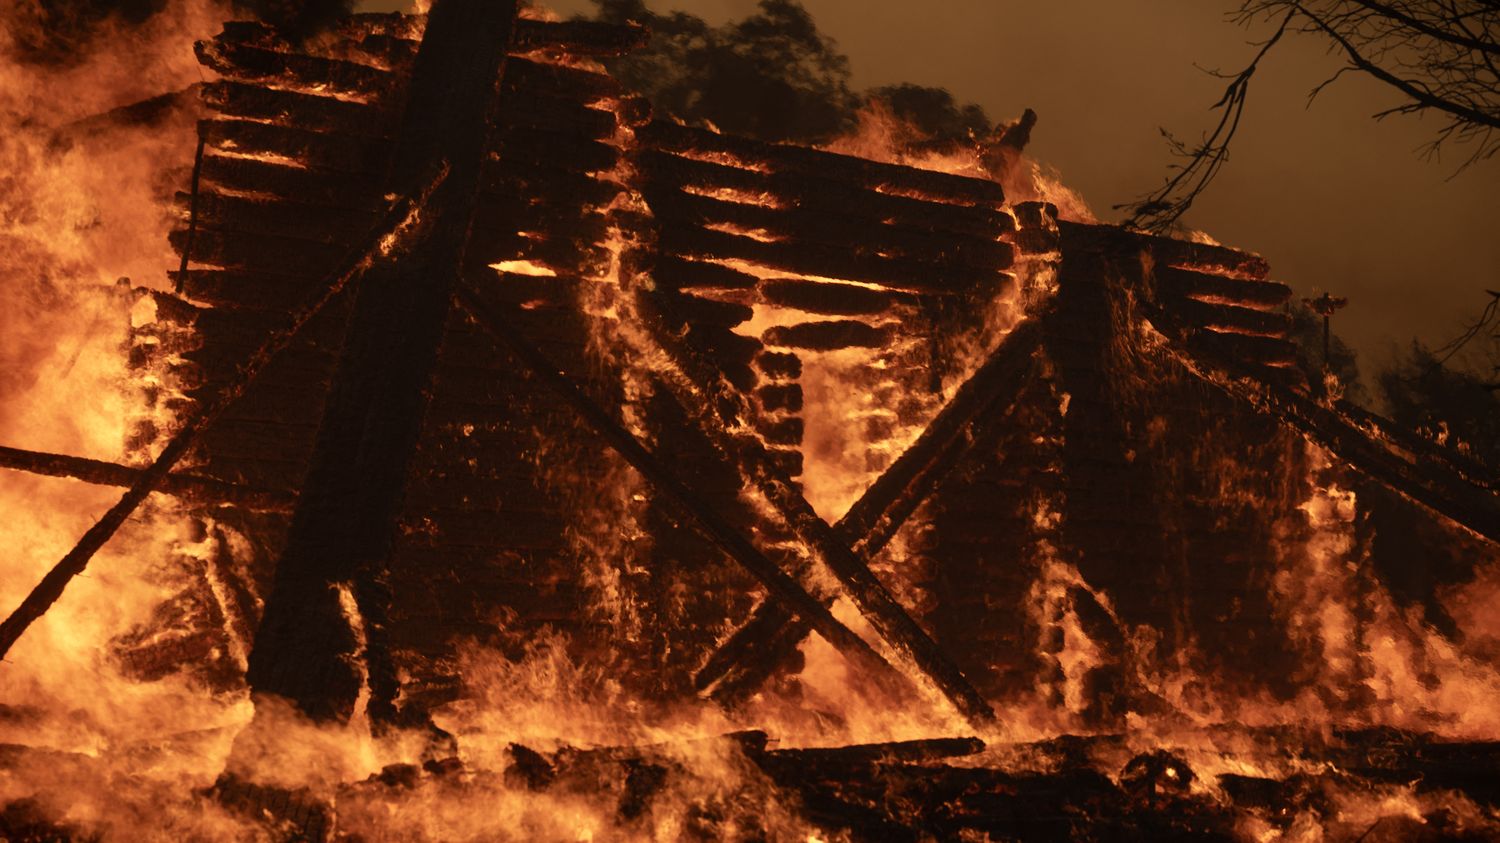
x=319, y=150
x=830, y=229
x=1234, y=319
x=1170, y=252
x=1204, y=286
x=888, y=178
x=289, y=180
x=559, y=81
x=814, y=191
x=345, y=523
x=674, y=273
x=1259, y=350
x=278, y=218
x=915, y=751
x=1432, y=485
x=102, y=473
x=724, y=411
x=1473, y=471
x=770, y=636
x=580, y=38
x=312, y=74
x=306, y=111
x=896, y=273
x=828, y=336
x=828, y=298
x=715, y=528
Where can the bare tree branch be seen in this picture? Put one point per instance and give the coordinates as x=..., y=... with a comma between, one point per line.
x=1160, y=210
x=1440, y=56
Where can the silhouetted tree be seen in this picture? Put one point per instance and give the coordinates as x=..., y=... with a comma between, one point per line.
x=1458, y=406
x=772, y=76
x=1441, y=56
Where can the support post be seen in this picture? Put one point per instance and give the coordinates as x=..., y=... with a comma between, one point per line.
x=344, y=525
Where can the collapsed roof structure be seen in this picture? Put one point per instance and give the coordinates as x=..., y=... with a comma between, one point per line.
x=466, y=344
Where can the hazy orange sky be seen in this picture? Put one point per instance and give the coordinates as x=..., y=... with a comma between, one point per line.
x=1333, y=199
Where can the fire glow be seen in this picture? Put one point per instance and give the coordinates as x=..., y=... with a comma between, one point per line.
x=937, y=511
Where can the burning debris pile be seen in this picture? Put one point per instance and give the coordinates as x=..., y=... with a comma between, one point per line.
x=552, y=469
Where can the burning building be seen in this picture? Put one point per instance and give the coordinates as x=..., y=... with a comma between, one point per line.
x=528, y=465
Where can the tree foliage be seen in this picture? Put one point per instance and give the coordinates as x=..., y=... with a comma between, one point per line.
x=1452, y=404
x=772, y=76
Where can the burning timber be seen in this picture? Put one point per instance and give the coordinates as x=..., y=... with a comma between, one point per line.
x=471, y=360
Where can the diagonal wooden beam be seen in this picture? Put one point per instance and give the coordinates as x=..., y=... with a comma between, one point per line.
x=966, y=422
x=103, y=473
x=51, y=587
x=1434, y=486
x=722, y=413
x=714, y=527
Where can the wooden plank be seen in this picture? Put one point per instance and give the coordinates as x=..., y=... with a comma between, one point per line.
x=889, y=178
x=832, y=229
x=822, y=192
x=832, y=262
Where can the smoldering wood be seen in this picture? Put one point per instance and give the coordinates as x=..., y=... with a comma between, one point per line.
x=1189, y=283
x=906, y=275
x=676, y=273
x=287, y=256
x=309, y=111
x=1262, y=351
x=780, y=397
x=705, y=311
x=278, y=217
x=358, y=191
x=829, y=298
x=798, y=225
x=581, y=38
x=1232, y=318
x=887, y=178
x=103, y=473
x=826, y=193
x=560, y=81
x=828, y=336
x=779, y=365
x=297, y=70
